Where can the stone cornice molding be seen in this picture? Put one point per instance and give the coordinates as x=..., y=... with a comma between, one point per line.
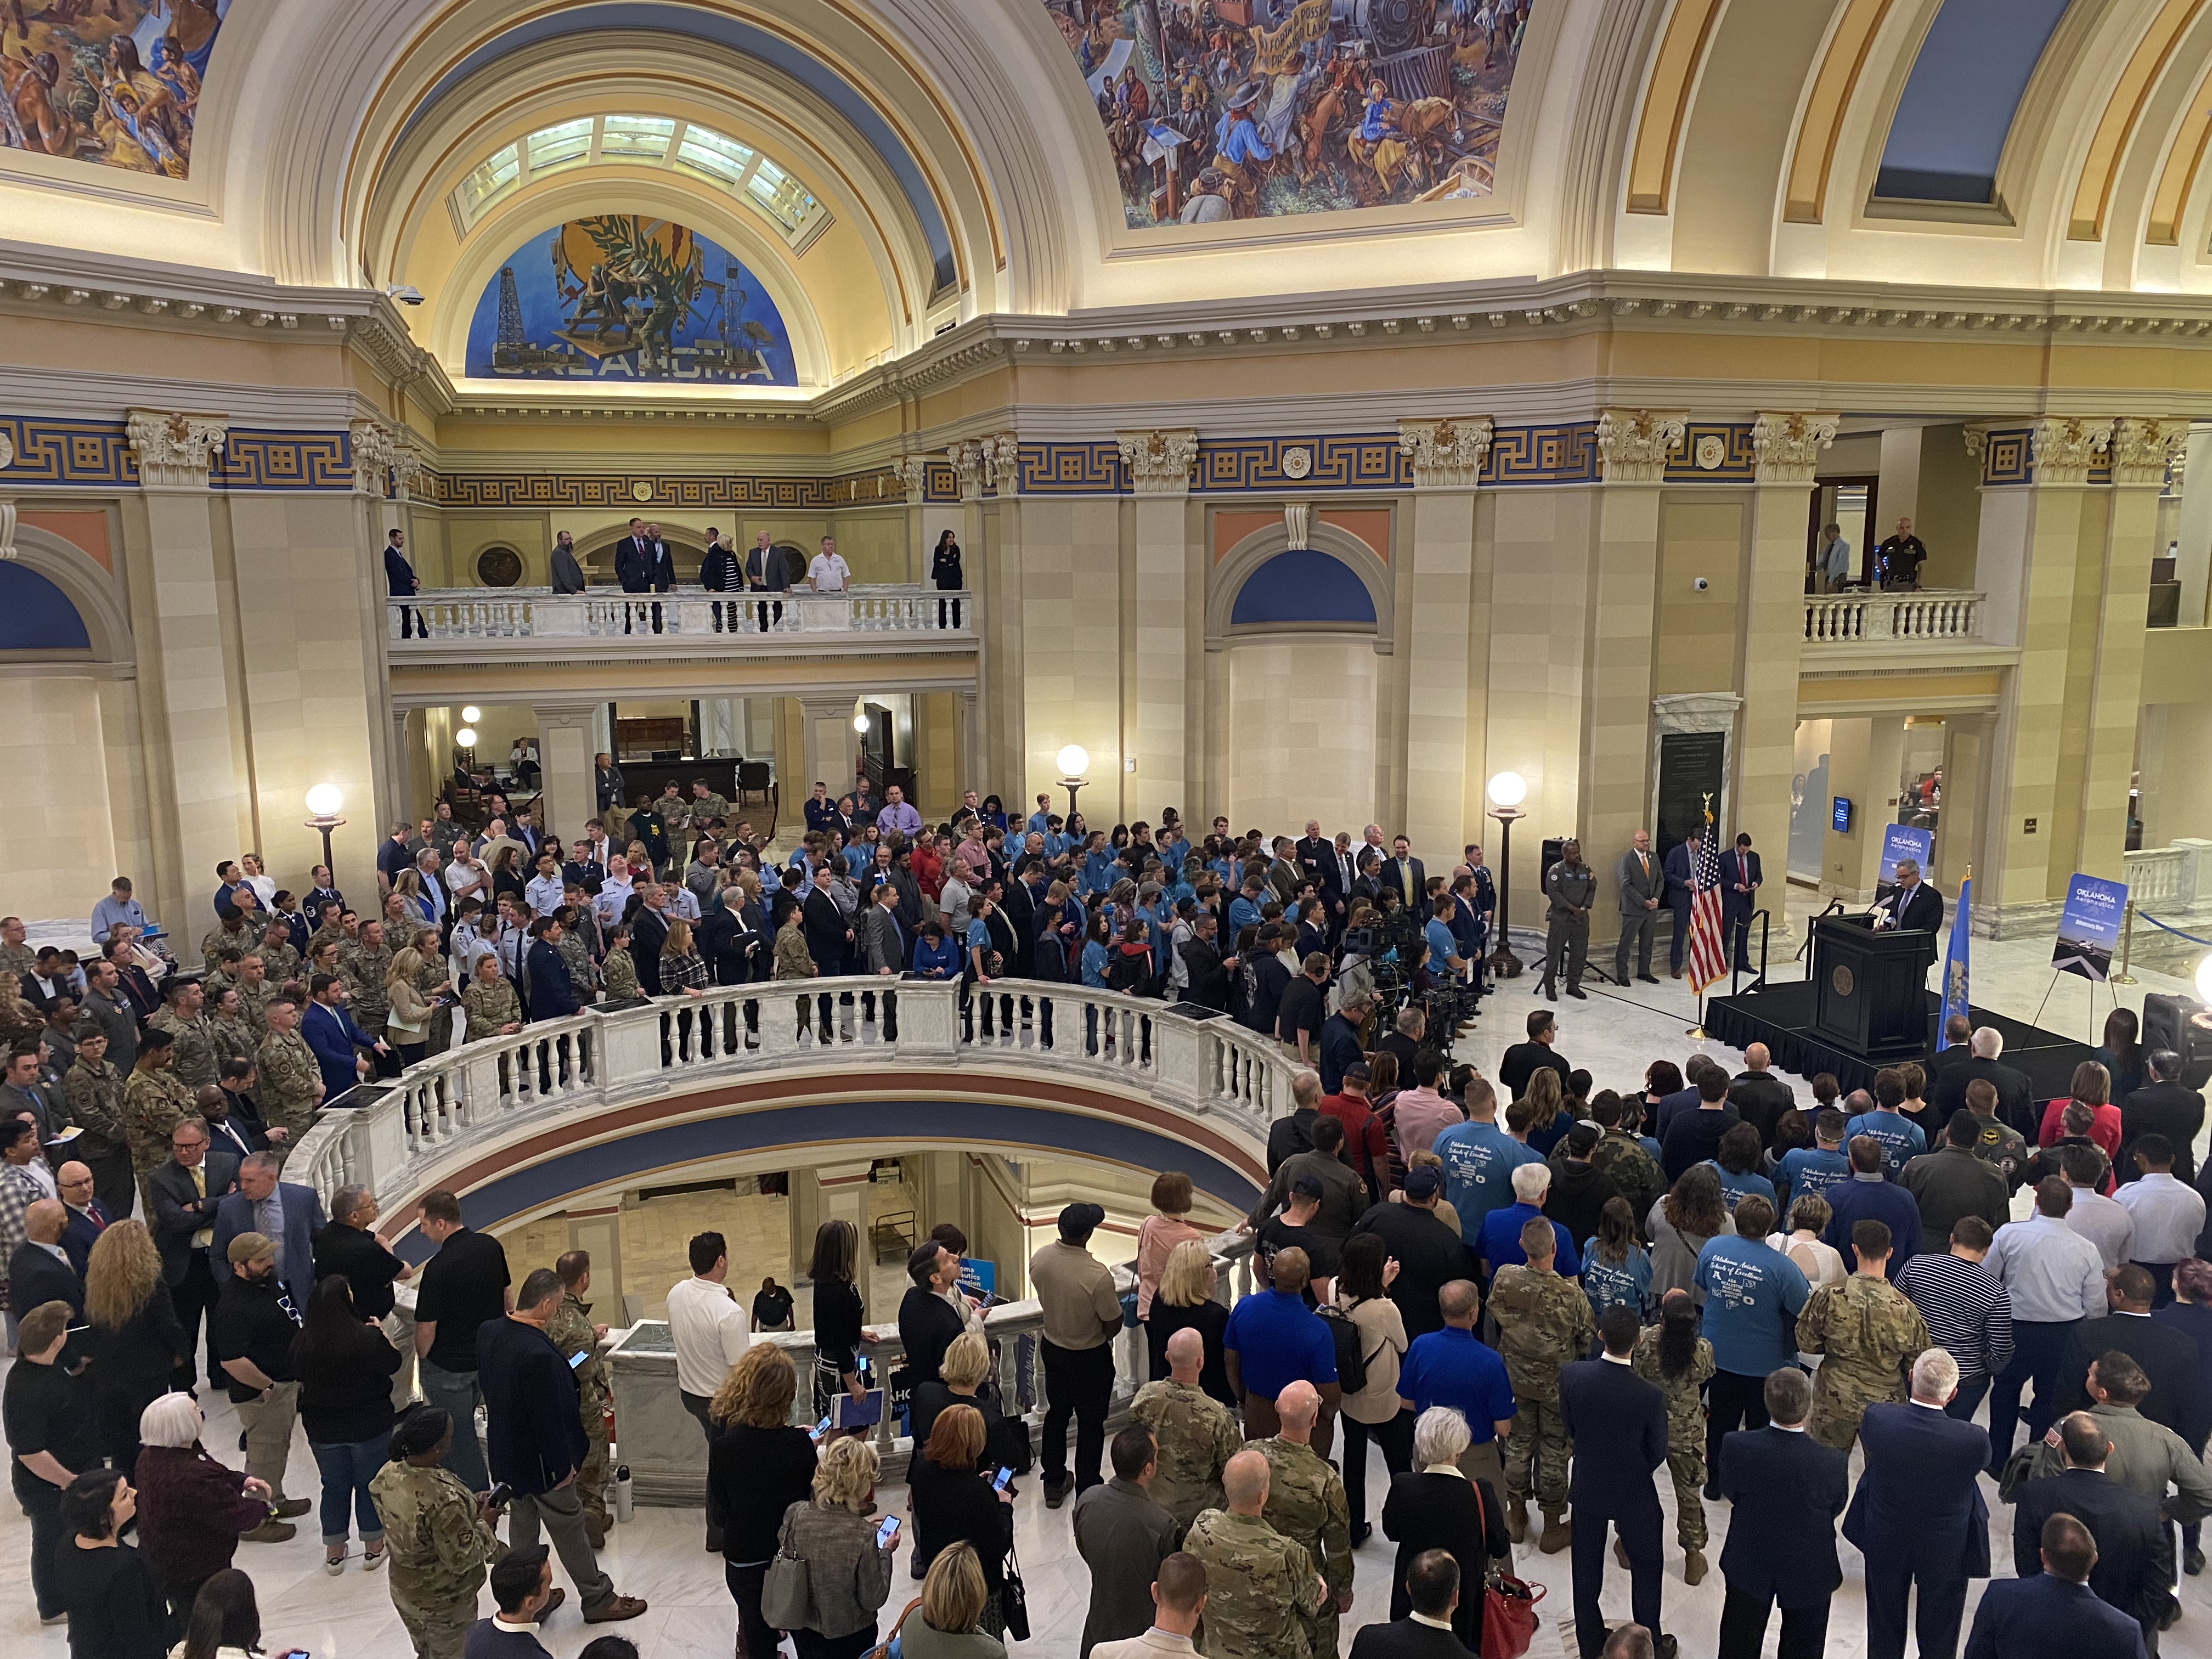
x=1633, y=444
x=1787, y=447
x=174, y=451
x=1159, y=461
x=2144, y=452
x=2067, y=447
x=1446, y=454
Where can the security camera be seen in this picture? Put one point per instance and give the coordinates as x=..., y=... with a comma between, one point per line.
x=406, y=293
x=1700, y=583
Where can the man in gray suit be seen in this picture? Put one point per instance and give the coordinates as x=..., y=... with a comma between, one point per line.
x=567, y=574
x=1642, y=884
x=766, y=570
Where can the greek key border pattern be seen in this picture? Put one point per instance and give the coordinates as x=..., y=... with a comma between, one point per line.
x=284, y=460
x=1739, y=465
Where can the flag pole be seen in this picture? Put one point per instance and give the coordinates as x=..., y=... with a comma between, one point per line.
x=1697, y=1032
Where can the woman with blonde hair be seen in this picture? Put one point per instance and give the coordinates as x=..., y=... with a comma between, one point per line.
x=848, y=1573
x=1168, y=1225
x=954, y=1502
x=1185, y=1298
x=757, y=1468
x=407, y=1023
x=407, y=885
x=193, y=1510
x=954, y=1602
x=1548, y=1122
x=960, y=1379
x=681, y=967
x=137, y=1348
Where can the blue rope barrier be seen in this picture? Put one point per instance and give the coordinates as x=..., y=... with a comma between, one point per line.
x=2145, y=915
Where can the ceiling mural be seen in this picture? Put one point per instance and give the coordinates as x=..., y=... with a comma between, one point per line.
x=1246, y=109
x=620, y=296
x=112, y=81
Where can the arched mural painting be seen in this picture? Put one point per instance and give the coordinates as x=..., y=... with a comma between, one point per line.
x=112, y=81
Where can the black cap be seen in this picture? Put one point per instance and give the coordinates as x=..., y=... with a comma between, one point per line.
x=1079, y=1221
x=1306, y=1185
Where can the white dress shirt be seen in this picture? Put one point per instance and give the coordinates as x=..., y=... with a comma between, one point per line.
x=2105, y=1223
x=2051, y=1273
x=710, y=1332
x=2168, y=1215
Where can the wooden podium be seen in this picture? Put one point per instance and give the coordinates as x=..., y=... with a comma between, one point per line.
x=1870, y=988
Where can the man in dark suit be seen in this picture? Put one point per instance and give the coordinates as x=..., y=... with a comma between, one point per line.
x=1404, y=872
x=333, y=1037
x=84, y=1217
x=1739, y=879
x=40, y=1270
x=648, y=933
x=2016, y=1094
x=1681, y=863
x=2055, y=1614
x=1339, y=871
x=828, y=938
x=1432, y=1584
x=1618, y=1424
x=1786, y=1489
x=1918, y=1514
x=184, y=1194
x=399, y=581
x=2164, y=1106
x=1641, y=883
x=1913, y=905
x=286, y=1213
x=2134, y=1568
x=2168, y=1358
x=1313, y=850
x=642, y=564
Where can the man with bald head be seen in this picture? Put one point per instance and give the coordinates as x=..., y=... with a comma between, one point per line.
x=1759, y=1097
x=84, y=1217
x=1261, y=1589
x=1195, y=1434
x=40, y=1270
x=1306, y=1505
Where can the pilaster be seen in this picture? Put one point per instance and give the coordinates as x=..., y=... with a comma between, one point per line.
x=565, y=748
x=832, y=749
x=1442, y=745
x=1164, y=700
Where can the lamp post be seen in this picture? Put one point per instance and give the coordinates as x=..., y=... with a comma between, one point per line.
x=1507, y=790
x=1074, y=761
x=324, y=800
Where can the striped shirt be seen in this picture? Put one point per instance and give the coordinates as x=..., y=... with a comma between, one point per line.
x=1966, y=1312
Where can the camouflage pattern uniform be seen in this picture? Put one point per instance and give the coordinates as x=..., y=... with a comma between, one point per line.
x=489, y=1007
x=570, y=1331
x=281, y=961
x=619, y=974
x=577, y=955
x=153, y=1102
x=1686, y=1431
x=337, y=936
x=193, y=1057
x=1196, y=1437
x=1635, y=1174
x=1306, y=1505
x=92, y=1100
x=235, y=1039
x=1870, y=1330
x=439, y=1546
x=363, y=970
x=289, y=1076
x=18, y=960
x=704, y=811
x=1544, y=1321
x=1260, y=1588
x=244, y=940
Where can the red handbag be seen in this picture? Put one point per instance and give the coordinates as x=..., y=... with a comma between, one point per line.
x=1509, y=1606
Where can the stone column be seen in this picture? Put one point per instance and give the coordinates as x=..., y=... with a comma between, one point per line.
x=832, y=748
x=565, y=748
x=372, y=449
x=191, y=692
x=1442, y=740
x=406, y=796
x=1163, y=698
x=1964, y=812
x=1787, y=449
x=969, y=751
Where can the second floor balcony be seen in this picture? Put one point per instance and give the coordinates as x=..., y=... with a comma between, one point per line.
x=1876, y=619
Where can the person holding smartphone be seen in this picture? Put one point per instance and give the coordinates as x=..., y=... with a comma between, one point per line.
x=847, y=1551
x=953, y=1503
x=757, y=1467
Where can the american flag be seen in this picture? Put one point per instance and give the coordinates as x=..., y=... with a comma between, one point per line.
x=1708, y=956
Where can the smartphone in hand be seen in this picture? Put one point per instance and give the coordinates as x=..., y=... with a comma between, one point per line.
x=1005, y=1475
x=887, y=1535
x=500, y=1496
x=820, y=1429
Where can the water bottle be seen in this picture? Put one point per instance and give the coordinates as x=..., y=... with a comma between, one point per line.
x=625, y=1501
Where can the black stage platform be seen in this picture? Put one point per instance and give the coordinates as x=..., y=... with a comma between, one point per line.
x=1781, y=1017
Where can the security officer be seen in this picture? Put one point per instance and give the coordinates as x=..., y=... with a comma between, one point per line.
x=1193, y=1432
x=1571, y=885
x=153, y=1102
x=1544, y=1321
x=1870, y=1332
x=1899, y=559
x=1260, y=1587
x=183, y=1016
x=1306, y=1505
x=438, y=1533
x=571, y=1330
x=1674, y=1343
x=291, y=1081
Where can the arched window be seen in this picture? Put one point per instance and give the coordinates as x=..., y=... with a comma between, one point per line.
x=1303, y=587
x=37, y=615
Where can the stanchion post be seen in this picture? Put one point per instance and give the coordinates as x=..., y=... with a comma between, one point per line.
x=2127, y=945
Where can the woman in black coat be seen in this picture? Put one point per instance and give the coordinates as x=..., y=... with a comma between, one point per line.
x=137, y=1347
x=837, y=1315
x=946, y=577
x=954, y=1500
x=1437, y=1508
x=1186, y=1298
x=758, y=1467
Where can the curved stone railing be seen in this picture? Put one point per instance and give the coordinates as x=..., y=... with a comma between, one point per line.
x=433, y=620
x=451, y=1107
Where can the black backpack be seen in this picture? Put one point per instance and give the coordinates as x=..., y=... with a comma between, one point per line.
x=1350, y=1359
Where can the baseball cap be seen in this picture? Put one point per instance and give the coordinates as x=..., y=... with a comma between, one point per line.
x=249, y=1247
x=1079, y=1219
x=1583, y=1137
x=1422, y=1182
x=1306, y=1185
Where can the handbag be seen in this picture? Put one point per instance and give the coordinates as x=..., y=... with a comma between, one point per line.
x=1014, y=1599
x=786, y=1592
x=1509, y=1605
x=889, y=1647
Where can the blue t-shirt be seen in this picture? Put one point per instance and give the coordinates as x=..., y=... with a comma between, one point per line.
x=979, y=934
x=1094, y=965
x=1627, y=1282
x=1811, y=1171
x=1480, y=1159
x=1242, y=912
x=1452, y=1367
x=1899, y=1136
x=1754, y=1294
x=1278, y=1341
x=1733, y=1187
x=1440, y=947
x=1501, y=1240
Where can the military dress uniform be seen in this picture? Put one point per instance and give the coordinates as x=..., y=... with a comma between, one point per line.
x=289, y=1078
x=1197, y=1438
x=1544, y=1321
x=1260, y=1588
x=570, y=1330
x=192, y=1057
x=1567, y=935
x=153, y=1103
x=92, y=1100
x=1686, y=1431
x=440, y=1545
x=1306, y=1505
x=1870, y=1332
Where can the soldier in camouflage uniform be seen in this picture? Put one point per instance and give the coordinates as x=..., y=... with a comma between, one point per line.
x=1673, y=1341
x=490, y=1002
x=233, y=928
x=618, y=972
x=1544, y=1321
x=1260, y=1587
x=440, y=1537
x=254, y=992
x=1306, y=1505
x=1628, y=1164
x=184, y=1017
x=153, y=1104
x=92, y=1100
x=1870, y=1332
x=221, y=972
x=706, y=805
x=1194, y=1433
x=362, y=965
x=278, y=958
x=17, y=957
x=574, y=948
x=291, y=1081
x=571, y=1330
x=235, y=1037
